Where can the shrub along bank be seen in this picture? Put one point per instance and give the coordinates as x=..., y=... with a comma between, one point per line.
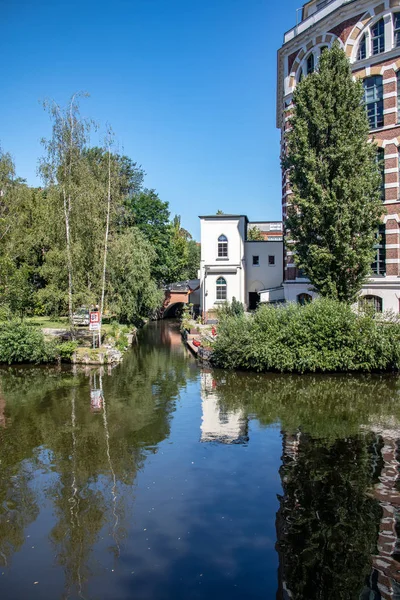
x=23, y=343
x=323, y=336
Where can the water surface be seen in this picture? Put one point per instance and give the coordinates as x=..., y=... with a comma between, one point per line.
x=164, y=480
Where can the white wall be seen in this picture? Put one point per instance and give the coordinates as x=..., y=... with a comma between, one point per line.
x=389, y=291
x=264, y=276
x=211, y=229
x=213, y=267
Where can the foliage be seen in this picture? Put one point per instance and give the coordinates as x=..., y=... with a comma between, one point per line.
x=234, y=309
x=325, y=335
x=65, y=350
x=54, y=242
x=335, y=206
x=132, y=293
x=20, y=343
x=177, y=255
x=119, y=334
x=254, y=234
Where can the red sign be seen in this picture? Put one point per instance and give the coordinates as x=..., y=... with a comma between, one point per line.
x=94, y=324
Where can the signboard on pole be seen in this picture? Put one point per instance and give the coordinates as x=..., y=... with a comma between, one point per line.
x=94, y=324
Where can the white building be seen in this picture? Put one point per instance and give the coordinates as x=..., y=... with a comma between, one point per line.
x=234, y=267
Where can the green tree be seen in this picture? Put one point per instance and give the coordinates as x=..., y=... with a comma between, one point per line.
x=62, y=170
x=132, y=292
x=151, y=216
x=193, y=259
x=254, y=234
x=336, y=206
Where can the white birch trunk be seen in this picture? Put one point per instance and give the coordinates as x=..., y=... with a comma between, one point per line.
x=103, y=284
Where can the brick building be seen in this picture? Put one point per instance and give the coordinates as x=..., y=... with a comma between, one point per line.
x=369, y=32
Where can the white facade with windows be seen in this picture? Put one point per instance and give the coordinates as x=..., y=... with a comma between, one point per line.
x=234, y=267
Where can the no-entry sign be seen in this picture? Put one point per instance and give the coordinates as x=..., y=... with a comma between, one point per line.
x=94, y=324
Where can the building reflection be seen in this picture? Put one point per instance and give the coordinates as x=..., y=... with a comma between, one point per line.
x=334, y=539
x=384, y=582
x=217, y=424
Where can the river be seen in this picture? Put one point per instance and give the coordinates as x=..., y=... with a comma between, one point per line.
x=164, y=480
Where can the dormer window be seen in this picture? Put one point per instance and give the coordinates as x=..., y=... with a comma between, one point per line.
x=222, y=246
x=378, y=37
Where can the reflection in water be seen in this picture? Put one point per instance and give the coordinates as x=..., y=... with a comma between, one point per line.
x=107, y=491
x=385, y=578
x=217, y=425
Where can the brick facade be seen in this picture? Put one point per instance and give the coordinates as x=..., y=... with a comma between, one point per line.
x=349, y=29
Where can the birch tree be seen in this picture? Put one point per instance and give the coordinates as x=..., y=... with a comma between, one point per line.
x=60, y=169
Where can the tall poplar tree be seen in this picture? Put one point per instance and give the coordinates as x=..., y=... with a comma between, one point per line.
x=336, y=204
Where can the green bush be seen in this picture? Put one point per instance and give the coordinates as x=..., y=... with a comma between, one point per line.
x=65, y=350
x=235, y=309
x=20, y=342
x=325, y=336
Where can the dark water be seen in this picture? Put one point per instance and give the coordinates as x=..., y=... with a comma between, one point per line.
x=162, y=480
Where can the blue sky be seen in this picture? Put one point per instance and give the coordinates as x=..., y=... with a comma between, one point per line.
x=189, y=88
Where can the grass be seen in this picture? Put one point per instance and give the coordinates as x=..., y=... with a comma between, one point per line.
x=59, y=323
x=48, y=322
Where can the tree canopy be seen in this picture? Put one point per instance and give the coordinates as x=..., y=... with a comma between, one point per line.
x=336, y=206
x=93, y=225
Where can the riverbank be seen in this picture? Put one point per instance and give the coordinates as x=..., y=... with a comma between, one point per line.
x=22, y=342
x=323, y=336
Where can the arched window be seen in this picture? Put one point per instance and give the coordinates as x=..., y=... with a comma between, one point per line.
x=396, y=28
x=371, y=301
x=373, y=98
x=310, y=64
x=378, y=37
x=222, y=246
x=301, y=75
x=304, y=299
x=221, y=289
x=362, y=48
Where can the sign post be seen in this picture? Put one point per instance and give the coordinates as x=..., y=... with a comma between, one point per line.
x=94, y=325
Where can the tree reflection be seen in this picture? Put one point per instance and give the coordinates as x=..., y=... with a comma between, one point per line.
x=338, y=523
x=327, y=525
x=93, y=453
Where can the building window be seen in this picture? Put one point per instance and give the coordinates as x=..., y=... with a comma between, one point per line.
x=222, y=246
x=310, y=64
x=396, y=26
x=378, y=37
x=323, y=48
x=362, y=48
x=398, y=95
x=256, y=261
x=379, y=265
x=380, y=159
x=271, y=260
x=373, y=98
x=304, y=299
x=371, y=301
x=221, y=289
